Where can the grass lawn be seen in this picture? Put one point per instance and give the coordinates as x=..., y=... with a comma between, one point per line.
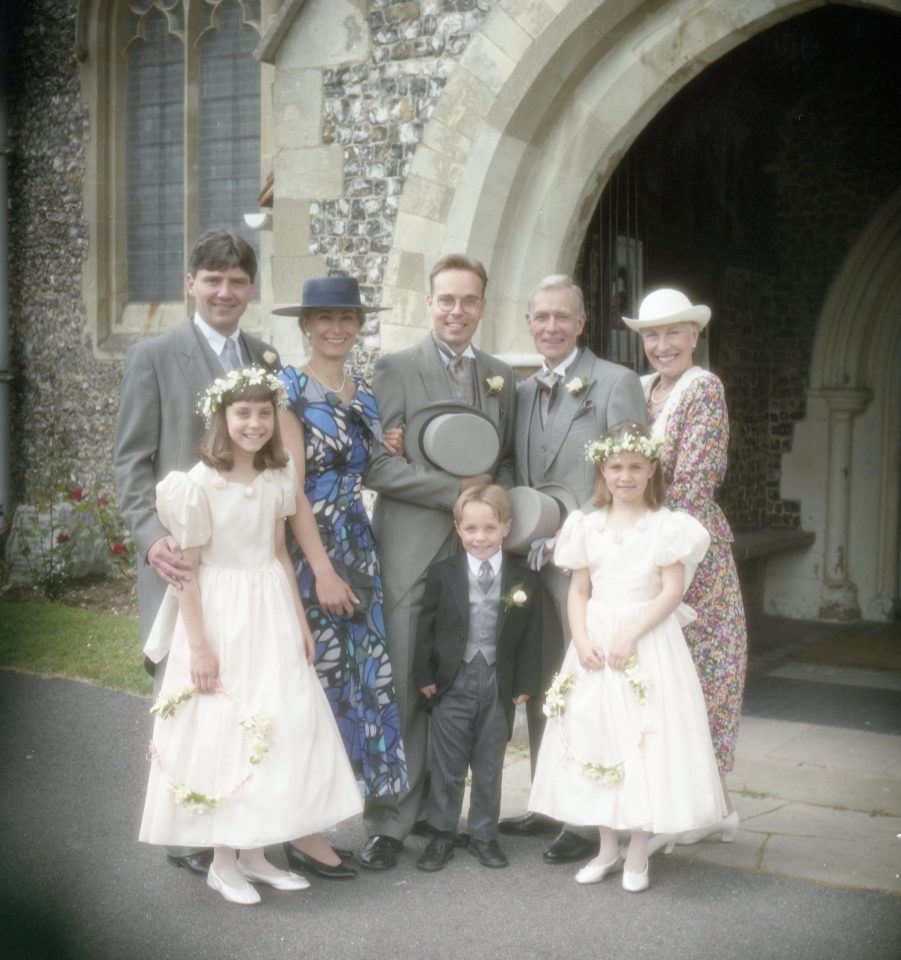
x=51, y=638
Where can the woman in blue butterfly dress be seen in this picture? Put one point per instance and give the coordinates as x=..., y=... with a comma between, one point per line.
x=330, y=427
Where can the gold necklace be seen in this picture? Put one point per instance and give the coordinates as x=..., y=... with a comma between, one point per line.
x=319, y=380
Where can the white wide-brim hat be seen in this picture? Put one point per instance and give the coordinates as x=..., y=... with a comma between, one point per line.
x=453, y=437
x=538, y=512
x=667, y=306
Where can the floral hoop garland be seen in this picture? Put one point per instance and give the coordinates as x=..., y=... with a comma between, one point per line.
x=255, y=722
x=600, y=450
x=211, y=398
x=555, y=707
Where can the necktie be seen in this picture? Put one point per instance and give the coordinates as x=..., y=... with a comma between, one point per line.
x=229, y=356
x=486, y=576
x=460, y=370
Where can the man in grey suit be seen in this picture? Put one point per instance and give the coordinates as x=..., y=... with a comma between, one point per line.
x=572, y=400
x=413, y=520
x=159, y=425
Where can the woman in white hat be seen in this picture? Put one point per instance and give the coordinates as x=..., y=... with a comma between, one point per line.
x=330, y=427
x=687, y=409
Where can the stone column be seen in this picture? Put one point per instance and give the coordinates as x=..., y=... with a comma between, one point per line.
x=839, y=597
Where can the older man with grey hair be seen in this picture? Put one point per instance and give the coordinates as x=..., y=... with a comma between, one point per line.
x=573, y=399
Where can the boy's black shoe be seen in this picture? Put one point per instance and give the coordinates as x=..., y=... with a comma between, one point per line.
x=437, y=853
x=488, y=852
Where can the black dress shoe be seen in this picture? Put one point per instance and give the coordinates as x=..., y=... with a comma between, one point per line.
x=437, y=853
x=197, y=862
x=529, y=825
x=298, y=860
x=342, y=852
x=422, y=828
x=568, y=847
x=380, y=852
x=488, y=853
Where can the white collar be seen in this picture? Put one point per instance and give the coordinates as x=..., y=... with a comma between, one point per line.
x=475, y=564
x=215, y=339
x=446, y=351
x=561, y=368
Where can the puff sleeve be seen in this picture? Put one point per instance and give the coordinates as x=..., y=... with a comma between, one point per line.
x=682, y=540
x=286, y=500
x=570, y=552
x=183, y=509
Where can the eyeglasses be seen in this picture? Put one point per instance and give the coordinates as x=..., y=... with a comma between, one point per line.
x=446, y=303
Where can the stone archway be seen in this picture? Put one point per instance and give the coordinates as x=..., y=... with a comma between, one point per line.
x=845, y=463
x=532, y=122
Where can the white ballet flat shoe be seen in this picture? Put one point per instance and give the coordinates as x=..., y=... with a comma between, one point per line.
x=636, y=882
x=726, y=828
x=594, y=871
x=285, y=880
x=662, y=841
x=244, y=894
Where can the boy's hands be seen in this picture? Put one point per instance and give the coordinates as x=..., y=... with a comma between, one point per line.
x=522, y=698
x=429, y=691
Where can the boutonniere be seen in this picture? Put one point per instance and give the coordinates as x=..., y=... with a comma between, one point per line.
x=494, y=385
x=269, y=357
x=576, y=386
x=516, y=596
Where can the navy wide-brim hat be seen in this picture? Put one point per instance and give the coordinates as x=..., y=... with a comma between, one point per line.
x=339, y=292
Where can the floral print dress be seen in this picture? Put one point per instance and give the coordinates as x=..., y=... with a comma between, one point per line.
x=694, y=425
x=351, y=656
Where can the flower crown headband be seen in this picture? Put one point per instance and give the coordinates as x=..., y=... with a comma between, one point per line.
x=600, y=450
x=237, y=379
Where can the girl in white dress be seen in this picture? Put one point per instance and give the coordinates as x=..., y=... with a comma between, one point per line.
x=245, y=748
x=627, y=745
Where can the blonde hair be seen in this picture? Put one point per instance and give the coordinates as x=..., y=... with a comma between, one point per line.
x=655, y=491
x=215, y=448
x=492, y=494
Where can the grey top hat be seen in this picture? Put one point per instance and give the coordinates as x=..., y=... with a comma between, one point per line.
x=340, y=292
x=538, y=512
x=453, y=437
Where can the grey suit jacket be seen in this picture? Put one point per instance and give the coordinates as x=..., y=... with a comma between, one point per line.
x=612, y=394
x=413, y=516
x=158, y=431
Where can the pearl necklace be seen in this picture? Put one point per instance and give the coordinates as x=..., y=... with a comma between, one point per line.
x=338, y=390
x=658, y=400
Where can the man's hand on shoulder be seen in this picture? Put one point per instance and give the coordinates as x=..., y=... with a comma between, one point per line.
x=166, y=558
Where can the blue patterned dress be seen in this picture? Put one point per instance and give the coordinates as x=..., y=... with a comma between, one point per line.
x=351, y=657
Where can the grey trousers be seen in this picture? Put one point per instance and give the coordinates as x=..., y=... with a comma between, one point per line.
x=469, y=730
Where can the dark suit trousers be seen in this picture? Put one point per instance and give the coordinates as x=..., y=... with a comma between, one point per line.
x=468, y=730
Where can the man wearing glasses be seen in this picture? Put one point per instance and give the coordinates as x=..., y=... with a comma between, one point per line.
x=413, y=522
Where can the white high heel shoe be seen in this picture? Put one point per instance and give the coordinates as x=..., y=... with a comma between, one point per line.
x=636, y=882
x=726, y=828
x=284, y=880
x=244, y=894
x=659, y=841
x=594, y=871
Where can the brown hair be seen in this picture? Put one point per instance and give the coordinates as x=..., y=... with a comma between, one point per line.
x=655, y=491
x=222, y=250
x=491, y=494
x=459, y=261
x=215, y=448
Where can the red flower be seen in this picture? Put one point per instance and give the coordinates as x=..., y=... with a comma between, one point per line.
x=78, y=494
x=62, y=537
x=102, y=501
x=118, y=548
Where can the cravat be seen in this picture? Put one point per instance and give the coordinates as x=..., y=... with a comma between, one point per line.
x=547, y=386
x=486, y=576
x=229, y=356
x=459, y=369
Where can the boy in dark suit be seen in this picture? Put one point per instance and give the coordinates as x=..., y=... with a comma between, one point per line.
x=478, y=653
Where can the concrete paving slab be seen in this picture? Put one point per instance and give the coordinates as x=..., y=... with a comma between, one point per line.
x=836, y=747
x=849, y=676
x=760, y=736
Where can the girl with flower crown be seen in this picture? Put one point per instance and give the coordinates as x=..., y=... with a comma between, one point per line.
x=627, y=745
x=245, y=750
